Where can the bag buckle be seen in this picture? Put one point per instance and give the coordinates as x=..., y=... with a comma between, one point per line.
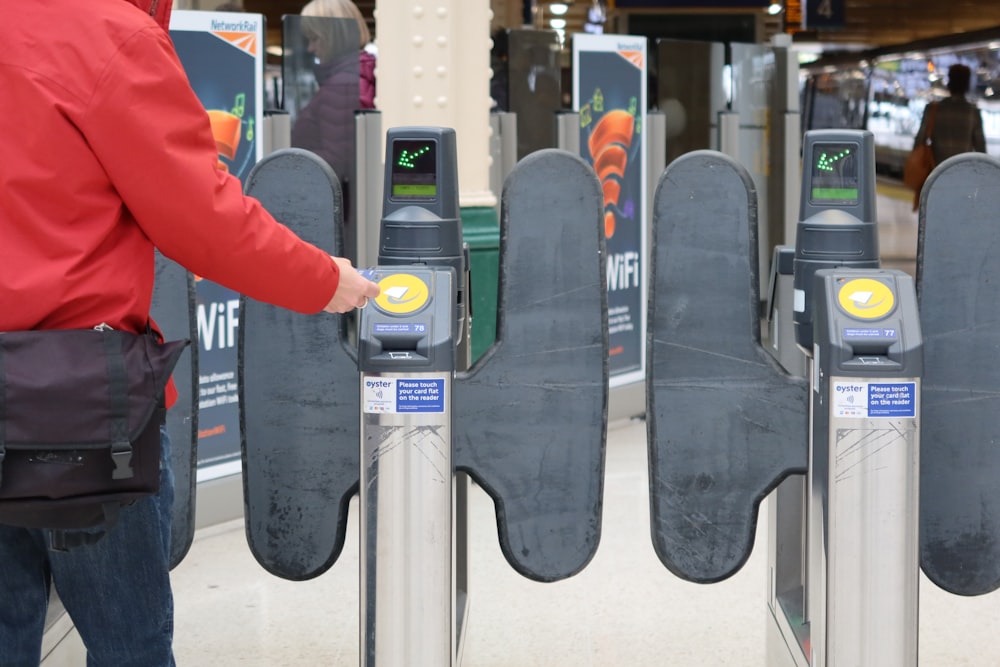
x=121, y=457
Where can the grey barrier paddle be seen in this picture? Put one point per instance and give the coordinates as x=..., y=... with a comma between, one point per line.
x=173, y=310
x=958, y=288
x=298, y=381
x=725, y=423
x=531, y=414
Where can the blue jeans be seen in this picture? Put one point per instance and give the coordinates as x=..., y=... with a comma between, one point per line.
x=117, y=591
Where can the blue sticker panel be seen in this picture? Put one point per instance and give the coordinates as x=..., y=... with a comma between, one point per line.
x=399, y=327
x=870, y=332
x=420, y=395
x=892, y=399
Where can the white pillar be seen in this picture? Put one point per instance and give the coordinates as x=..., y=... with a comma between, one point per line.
x=434, y=69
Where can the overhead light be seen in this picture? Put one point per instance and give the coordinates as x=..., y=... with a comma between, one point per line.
x=558, y=8
x=774, y=8
x=557, y=24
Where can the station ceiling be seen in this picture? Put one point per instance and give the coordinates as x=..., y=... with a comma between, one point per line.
x=868, y=22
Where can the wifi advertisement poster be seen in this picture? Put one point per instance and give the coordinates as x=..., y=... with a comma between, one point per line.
x=609, y=93
x=223, y=56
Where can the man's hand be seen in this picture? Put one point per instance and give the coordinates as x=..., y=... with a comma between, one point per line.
x=353, y=290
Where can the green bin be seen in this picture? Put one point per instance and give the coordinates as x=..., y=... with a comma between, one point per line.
x=481, y=230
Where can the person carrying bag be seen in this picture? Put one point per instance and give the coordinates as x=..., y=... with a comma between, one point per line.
x=949, y=127
x=920, y=162
x=109, y=158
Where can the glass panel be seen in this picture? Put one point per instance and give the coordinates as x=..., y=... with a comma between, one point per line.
x=535, y=87
x=690, y=92
x=321, y=74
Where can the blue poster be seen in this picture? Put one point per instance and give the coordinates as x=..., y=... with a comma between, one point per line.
x=222, y=54
x=609, y=91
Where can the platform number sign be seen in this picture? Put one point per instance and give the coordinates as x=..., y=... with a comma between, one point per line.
x=824, y=14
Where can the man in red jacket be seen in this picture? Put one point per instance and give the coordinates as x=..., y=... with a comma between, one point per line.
x=107, y=152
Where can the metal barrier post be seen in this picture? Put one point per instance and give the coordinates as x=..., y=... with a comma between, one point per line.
x=368, y=186
x=503, y=148
x=407, y=361
x=411, y=340
x=843, y=553
x=729, y=134
x=568, y=131
x=863, y=482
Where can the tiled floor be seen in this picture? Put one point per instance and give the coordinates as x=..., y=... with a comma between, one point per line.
x=624, y=608
x=897, y=227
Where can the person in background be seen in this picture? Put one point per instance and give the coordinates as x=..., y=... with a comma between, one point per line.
x=345, y=72
x=108, y=154
x=499, y=65
x=958, y=124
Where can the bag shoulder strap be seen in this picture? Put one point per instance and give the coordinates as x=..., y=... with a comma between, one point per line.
x=64, y=540
x=3, y=412
x=930, y=121
x=121, y=447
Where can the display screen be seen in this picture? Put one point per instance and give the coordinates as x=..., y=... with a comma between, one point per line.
x=414, y=169
x=835, y=173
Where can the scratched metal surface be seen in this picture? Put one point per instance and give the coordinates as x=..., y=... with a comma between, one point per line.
x=299, y=396
x=173, y=310
x=725, y=423
x=530, y=417
x=958, y=288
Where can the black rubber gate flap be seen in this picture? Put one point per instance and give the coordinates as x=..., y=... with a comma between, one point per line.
x=725, y=423
x=173, y=310
x=530, y=417
x=298, y=383
x=958, y=288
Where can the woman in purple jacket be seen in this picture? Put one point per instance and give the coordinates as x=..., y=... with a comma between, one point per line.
x=345, y=72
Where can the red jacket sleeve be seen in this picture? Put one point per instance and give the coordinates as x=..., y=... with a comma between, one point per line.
x=153, y=137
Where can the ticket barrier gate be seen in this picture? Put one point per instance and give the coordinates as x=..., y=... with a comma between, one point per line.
x=527, y=421
x=727, y=425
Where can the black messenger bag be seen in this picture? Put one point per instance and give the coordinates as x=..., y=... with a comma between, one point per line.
x=80, y=417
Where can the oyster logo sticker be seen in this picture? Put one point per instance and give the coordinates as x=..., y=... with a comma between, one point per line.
x=402, y=293
x=866, y=298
